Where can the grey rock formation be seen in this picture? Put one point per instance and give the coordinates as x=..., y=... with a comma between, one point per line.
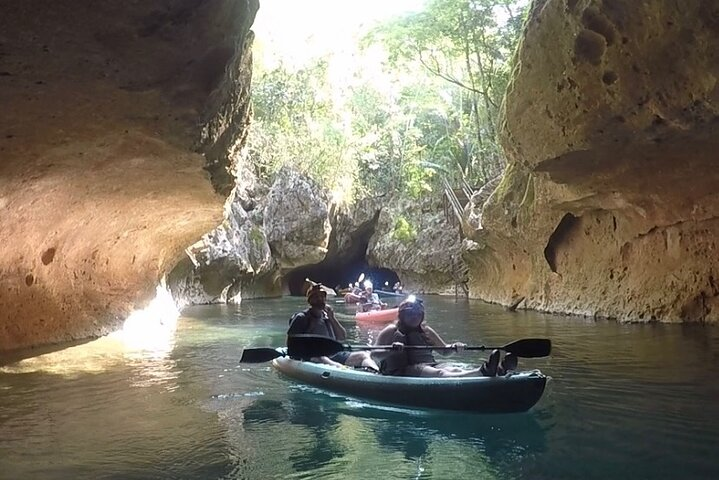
x=296, y=220
x=416, y=240
x=234, y=254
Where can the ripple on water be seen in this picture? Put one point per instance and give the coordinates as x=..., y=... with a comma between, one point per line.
x=624, y=401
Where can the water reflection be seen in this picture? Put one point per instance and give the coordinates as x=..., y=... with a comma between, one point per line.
x=320, y=422
x=499, y=442
x=497, y=436
x=626, y=401
x=146, y=341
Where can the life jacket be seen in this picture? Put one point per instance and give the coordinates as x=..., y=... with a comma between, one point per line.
x=395, y=362
x=370, y=302
x=304, y=319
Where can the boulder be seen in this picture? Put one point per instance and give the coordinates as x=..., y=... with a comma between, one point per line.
x=417, y=241
x=296, y=220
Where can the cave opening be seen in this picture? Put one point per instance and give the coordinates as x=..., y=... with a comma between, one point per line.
x=344, y=265
x=339, y=276
x=560, y=236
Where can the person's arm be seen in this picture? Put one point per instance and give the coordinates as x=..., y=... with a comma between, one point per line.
x=434, y=337
x=437, y=341
x=337, y=328
x=386, y=337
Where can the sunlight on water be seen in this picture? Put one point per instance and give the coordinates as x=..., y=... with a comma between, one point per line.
x=625, y=401
x=151, y=330
x=147, y=336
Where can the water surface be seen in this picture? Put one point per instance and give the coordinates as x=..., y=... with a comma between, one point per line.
x=624, y=401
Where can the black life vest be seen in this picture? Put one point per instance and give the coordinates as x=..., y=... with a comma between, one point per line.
x=302, y=322
x=395, y=362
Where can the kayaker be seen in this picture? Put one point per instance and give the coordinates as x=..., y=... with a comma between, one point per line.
x=410, y=329
x=369, y=300
x=320, y=319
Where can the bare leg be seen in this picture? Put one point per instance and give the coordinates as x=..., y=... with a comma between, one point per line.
x=326, y=361
x=422, y=370
x=449, y=368
x=361, y=359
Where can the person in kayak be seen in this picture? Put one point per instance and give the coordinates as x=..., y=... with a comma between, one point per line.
x=410, y=329
x=320, y=319
x=369, y=300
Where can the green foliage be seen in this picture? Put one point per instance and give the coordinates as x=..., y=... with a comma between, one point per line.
x=435, y=116
x=463, y=43
x=297, y=124
x=403, y=231
x=257, y=237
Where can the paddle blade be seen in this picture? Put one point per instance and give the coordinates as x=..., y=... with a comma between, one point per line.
x=326, y=289
x=530, y=347
x=309, y=346
x=261, y=355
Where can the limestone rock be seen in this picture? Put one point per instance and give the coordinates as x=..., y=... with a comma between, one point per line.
x=352, y=226
x=296, y=220
x=104, y=106
x=609, y=204
x=416, y=241
x=473, y=209
x=223, y=259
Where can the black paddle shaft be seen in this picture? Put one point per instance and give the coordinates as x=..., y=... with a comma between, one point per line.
x=308, y=346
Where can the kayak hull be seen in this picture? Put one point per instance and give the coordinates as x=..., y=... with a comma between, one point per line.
x=378, y=316
x=517, y=392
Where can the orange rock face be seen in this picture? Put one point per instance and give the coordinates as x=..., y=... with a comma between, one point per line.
x=610, y=203
x=111, y=115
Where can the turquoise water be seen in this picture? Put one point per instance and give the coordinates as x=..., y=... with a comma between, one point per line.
x=624, y=401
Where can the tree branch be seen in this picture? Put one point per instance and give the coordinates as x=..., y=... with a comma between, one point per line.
x=437, y=71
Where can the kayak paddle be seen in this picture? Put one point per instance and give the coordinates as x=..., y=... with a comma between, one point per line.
x=261, y=355
x=391, y=294
x=307, y=346
x=326, y=289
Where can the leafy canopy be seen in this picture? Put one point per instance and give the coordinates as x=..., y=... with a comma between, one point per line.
x=428, y=111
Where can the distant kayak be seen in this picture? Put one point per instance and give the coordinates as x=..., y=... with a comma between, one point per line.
x=352, y=298
x=516, y=392
x=378, y=316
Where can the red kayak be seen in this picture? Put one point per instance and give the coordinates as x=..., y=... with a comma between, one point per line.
x=378, y=316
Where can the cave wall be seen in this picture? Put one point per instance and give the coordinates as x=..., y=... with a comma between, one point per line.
x=415, y=239
x=114, y=115
x=352, y=227
x=609, y=205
